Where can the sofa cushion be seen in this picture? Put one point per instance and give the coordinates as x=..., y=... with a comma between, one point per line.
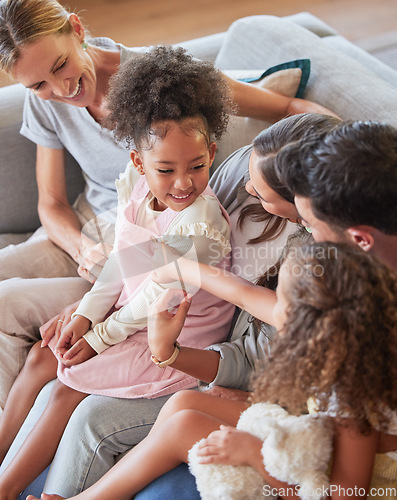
x=289, y=78
x=337, y=80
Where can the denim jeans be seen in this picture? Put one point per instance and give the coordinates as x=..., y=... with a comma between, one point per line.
x=177, y=484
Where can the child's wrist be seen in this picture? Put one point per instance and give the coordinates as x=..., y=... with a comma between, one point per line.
x=162, y=363
x=83, y=319
x=162, y=352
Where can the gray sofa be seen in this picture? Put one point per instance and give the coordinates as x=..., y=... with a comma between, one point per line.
x=343, y=78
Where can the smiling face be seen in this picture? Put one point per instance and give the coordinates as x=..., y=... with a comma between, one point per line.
x=176, y=166
x=271, y=201
x=55, y=67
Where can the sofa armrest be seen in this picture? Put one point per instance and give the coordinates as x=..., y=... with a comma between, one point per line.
x=18, y=187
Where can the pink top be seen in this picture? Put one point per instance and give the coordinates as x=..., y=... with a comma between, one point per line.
x=124, y=368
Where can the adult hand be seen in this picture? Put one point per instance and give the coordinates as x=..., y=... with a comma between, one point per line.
x=59, y=322
x=166, y=319
x=81, y=351
x=230, y=446
x=92, y=258
x=226, y=393
x=71, y=333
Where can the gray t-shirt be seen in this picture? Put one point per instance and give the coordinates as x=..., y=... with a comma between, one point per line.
x=57, y=125
x=247, y=344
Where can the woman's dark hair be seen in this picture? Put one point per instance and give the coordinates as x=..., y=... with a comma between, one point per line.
x=267, y=146
x=166, y=84
x=339, y=342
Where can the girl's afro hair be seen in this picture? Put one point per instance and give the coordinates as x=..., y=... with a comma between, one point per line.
x=162, y=84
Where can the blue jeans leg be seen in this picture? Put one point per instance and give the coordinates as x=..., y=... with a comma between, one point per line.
x=178, y=484
x=100, y=430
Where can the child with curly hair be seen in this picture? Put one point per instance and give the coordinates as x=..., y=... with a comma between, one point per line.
x=336, y=313
x=170, y=106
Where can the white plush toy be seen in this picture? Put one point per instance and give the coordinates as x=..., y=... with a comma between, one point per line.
x=295, y=450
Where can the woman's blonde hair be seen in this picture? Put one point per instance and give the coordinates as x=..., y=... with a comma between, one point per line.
x=25, y=21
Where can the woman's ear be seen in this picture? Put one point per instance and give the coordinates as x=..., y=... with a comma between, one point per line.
x=77, y=26
x=362, y=236
x=137, y=162
x=212, y=149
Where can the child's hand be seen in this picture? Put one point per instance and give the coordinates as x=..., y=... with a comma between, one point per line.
x=230, y=446
x=58, y=323
x=71, y=333
x=164, y=327
x=78, y=353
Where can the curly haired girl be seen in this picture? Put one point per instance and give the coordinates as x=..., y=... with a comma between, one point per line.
x=170, y=106
x=166, y=84
x=336, y=315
